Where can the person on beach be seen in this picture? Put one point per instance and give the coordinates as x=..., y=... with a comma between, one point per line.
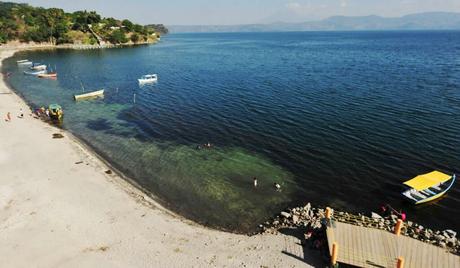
x=387, y=211
x=47, y=112
x=255, y=182
x=21, y=113
x=8, y=117
x=402, y=215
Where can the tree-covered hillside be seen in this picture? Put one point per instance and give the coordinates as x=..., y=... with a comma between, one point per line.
x=26, y=23
x=159, y=28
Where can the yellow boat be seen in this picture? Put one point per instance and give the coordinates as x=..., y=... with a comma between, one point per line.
x=427, y=187
x=55, y=111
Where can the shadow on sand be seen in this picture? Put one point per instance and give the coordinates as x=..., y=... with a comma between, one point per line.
x=304, y=251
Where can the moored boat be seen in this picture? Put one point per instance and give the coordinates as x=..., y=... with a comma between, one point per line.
x=55, y=111
x=428, y=187
x=24, y=62
x=35, y=73
x=48, y=75
x=148, y=78
x=89, y=95
x=38, y=67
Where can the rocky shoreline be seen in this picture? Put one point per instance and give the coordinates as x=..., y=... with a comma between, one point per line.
x=312, y=218
x=43, y=46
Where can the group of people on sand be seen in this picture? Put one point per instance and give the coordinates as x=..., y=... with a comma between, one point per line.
x=39, y=113
x=42, y=112
x=8, y=115
x=276, y=185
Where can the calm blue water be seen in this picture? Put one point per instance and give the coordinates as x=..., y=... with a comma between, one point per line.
x=337, y=118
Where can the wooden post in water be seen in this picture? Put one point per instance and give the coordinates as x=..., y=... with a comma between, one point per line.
x=400, y=263
x=328, y=213
x=398, y=227
x=335, y=252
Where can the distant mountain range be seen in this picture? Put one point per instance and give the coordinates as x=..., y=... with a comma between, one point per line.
x=420, y=21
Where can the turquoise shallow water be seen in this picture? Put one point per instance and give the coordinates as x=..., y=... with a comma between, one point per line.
x=337, y=119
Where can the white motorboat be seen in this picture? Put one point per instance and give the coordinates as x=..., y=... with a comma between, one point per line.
x=38, y=67
x=36, y=73
x=148, y=78
x=24, y=62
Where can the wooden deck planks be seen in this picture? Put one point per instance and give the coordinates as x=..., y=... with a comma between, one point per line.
x=368, y=247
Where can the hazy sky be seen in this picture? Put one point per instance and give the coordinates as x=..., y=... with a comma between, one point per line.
x=173, y=12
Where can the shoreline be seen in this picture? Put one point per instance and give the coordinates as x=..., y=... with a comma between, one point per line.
x=56, y=191
x=147, y=200
x=147, y=197
x=18, y=46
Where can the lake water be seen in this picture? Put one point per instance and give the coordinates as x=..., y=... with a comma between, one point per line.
x=337, y=118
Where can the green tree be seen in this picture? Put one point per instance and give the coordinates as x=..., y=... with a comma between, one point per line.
x=79, y=20
x=128, y=25
x=93, y=17
x=118, y=37
x=138, y=28
x=56, y=22
x=135, y=38
x=111, y=22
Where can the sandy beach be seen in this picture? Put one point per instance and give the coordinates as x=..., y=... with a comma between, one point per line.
x=58, y=208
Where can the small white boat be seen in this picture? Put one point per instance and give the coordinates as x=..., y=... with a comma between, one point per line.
x=24, y=62
x=38, y=67
x=89, y=95
x=148, y=78
x=35, y=73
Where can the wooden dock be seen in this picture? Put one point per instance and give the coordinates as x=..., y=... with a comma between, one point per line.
x=368, y=247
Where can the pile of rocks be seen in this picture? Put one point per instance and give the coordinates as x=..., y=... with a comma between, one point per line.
x=312, y=218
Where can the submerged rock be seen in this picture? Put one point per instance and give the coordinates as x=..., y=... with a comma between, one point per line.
x=295, y=219
x=286, y=215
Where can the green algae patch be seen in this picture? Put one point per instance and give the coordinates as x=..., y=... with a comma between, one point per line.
x=212, y=186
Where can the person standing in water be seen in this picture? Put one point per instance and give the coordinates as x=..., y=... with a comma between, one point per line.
x=255, y=182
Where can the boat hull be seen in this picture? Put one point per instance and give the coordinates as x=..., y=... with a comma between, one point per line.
x=431, y=198
x=147, y=81
x=90, y=95
x=38, y=67
x=148, y=78
x=25, y=63
x=45, y=75
x=36, y=73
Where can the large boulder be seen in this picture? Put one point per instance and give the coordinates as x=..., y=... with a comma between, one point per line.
x=286, y=215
